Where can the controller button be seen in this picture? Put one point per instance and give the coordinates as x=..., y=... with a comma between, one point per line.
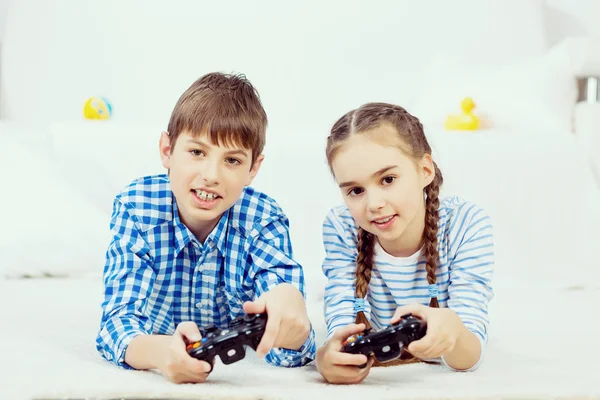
x=196, y=345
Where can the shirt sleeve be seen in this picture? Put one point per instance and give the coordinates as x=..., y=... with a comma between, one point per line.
x=271, y=253
x=339, y=267
x=471, y=271
x=128, y=279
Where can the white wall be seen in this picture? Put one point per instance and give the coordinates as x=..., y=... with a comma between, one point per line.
x=310, y=60
x=3, y=13
x=571, y=18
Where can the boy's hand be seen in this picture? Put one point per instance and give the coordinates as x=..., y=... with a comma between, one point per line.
x=288, y=325
x=339, y=367
x=444, y=327
x=176, y=364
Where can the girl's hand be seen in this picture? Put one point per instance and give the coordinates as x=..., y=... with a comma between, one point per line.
x=339, y=367
x=444, y=327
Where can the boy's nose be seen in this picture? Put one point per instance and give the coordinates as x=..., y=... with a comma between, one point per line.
x=210, y=173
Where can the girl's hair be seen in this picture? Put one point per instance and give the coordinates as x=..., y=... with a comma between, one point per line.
x=410, y=132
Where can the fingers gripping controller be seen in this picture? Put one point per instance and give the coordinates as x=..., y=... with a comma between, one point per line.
x=386, y=345
x=229, y=344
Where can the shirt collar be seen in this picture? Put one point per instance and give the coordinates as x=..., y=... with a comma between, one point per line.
x=183, y=235
x=218, y=236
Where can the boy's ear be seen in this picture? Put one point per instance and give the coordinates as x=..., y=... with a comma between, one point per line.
x=255, y=168
x=164, y=146
x=427, y=170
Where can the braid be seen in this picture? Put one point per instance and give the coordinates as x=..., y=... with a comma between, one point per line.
x=432, y=204
x=364, y=265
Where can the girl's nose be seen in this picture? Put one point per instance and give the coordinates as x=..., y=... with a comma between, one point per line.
x=375, y=202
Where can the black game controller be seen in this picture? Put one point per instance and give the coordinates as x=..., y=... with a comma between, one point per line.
x=229, y=344
x=386, y=345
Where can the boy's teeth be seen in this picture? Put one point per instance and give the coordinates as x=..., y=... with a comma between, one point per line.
x=382, y=221
x=205, y=195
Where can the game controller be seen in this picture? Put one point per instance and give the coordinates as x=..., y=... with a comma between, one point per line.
x=229, y=344
x=386, y=345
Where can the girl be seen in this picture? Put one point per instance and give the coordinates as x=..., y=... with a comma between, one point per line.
x=395, y=248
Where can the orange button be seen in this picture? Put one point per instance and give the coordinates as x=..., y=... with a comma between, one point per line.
x=197, y=344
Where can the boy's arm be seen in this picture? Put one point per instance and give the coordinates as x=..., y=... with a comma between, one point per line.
x=128, y=279
x=271, y=254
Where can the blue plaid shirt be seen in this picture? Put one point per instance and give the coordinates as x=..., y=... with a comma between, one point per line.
x=157, y=274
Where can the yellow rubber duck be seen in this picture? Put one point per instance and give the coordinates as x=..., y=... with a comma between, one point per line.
x=465, y=121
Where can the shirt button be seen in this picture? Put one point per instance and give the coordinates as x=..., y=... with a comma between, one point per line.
x=199, y=304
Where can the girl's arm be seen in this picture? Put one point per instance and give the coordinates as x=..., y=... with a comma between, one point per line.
x=458, y=334
x=470, y=289
x=339, y=266
x=466, y=353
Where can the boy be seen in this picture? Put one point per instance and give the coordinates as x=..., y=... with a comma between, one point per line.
x=197, y=246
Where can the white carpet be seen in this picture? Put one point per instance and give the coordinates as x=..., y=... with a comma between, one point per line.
x=543, y=344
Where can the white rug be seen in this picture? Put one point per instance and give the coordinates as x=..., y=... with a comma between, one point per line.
x=543, y=344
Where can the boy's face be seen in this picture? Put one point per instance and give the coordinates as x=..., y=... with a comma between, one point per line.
x=206, y=179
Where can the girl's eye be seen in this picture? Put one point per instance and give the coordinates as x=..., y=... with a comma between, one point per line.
x=234, y=161
x=196, y=153
x=388, y=180
x=355, y=191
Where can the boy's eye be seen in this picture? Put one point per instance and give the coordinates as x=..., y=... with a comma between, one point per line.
x=355, y=191
x=196, y=153
x=233, y=161
x=388, y=180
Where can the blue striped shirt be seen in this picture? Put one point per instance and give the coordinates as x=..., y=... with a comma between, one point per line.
x=157, y=274
x=464, y=271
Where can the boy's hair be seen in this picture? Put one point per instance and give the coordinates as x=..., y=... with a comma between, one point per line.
x=226, y=107
x=410, y=132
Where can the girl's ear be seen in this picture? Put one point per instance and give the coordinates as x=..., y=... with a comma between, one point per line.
x=427, y=170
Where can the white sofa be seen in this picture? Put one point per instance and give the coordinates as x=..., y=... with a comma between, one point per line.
x=537, y=187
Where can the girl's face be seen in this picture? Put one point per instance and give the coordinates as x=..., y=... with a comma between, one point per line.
x=383, y=187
